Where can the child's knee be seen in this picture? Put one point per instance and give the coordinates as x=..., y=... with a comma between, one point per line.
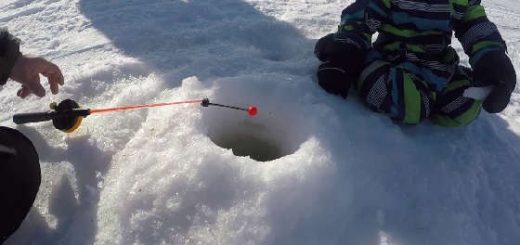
x=452, y=108
x=460, y=117
x=395, y=92
x=456, y=111
x=374, y=86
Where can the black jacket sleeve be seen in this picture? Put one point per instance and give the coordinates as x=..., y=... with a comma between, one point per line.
x=9, y=53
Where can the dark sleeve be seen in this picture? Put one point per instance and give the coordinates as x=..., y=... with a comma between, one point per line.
x=9, y=53
x=477, y=34
x=361, y=20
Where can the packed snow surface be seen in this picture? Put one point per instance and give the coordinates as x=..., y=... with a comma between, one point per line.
x=322, y=170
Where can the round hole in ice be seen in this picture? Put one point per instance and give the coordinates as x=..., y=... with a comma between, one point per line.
x=249, y=139
x=265, y=137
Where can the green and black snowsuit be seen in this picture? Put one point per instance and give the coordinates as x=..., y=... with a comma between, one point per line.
x=411, y=71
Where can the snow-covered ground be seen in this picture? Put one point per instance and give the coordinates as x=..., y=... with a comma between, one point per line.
x=341, y=174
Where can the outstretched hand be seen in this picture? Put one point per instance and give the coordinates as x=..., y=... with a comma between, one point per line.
x=27, y=71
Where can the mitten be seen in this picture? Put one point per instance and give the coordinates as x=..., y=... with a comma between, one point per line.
x=342, y=52
x=496, y=69
x=334, y=79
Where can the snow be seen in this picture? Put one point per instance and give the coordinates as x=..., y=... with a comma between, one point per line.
x=327, y=171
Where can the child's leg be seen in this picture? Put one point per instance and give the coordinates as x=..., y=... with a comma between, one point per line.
x=394, y=91
x=451, y=108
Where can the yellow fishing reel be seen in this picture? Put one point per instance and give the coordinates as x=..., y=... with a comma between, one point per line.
x=66, y=116
x=68, y=122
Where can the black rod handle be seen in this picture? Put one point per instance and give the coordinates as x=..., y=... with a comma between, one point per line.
x=32, y=117
x=47, y=116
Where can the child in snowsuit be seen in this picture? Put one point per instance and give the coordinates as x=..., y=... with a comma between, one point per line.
x=411, y=72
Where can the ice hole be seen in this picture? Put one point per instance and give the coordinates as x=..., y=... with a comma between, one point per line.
x=262, y=138
x=249, y=139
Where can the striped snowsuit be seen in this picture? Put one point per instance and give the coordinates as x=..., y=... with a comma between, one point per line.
x=411, y=71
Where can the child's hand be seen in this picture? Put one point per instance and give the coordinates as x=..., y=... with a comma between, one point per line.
x=495, y=68
x=334, y=79
x=27, y=71
x=325, y=48
x=342, y=53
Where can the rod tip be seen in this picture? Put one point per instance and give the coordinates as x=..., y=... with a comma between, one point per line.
x=205, y=102
x=252, y=111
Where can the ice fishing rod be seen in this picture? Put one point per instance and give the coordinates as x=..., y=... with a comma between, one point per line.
x=67, y=115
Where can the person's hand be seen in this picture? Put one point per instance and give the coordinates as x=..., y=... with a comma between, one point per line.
x=27, y=71
x=341, y=52
x=495, y=69
x=334, y=79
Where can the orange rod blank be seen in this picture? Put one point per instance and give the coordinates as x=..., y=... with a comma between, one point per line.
x=133, y=107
